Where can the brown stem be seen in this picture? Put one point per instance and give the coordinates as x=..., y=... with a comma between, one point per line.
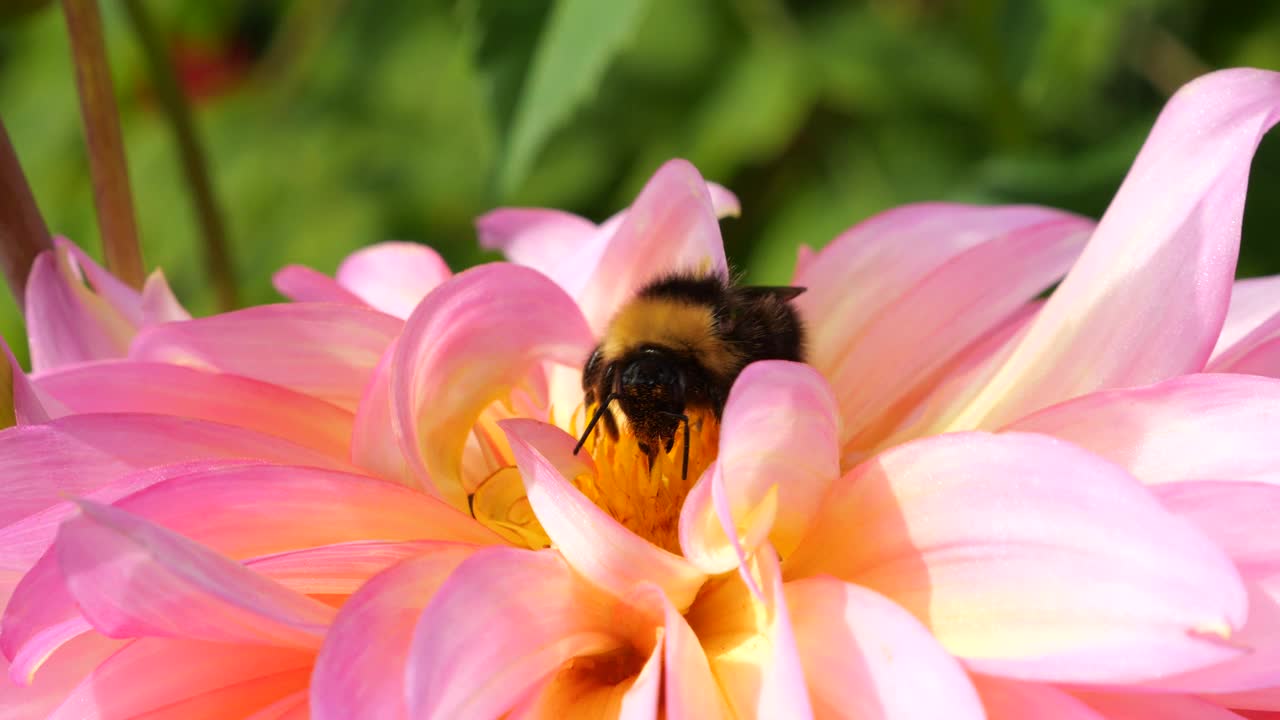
x=23, y=234
x=106, y=146
x=195, y=165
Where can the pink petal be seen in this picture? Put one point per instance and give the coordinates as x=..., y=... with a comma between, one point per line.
x=564, y=246
x=187, y=679
x=114, y=293
x=864, y=271
x=533, y=614
x=269, y=509
x=66, y=322
x=904, y=351
x=468, y=344
x=778, y=436
x=1030, y=559
x=1146, y=706
x=342, y=568
x=962, y=381
x=393, y=276
x=690, y=689
x=374, y=444
x=1240, y=517
x=159, y=305
x=302, y=284
x=30, y=404
x=24, y=541
x=133, y=578
x=544, y=240
x=320, y=349
x=866, y=657
x=591, y=541
x=1253, y=302
x=723, y=201
x=1261, y=359
x=671, y=226
x=1197, y=427
x=1147, y=299
x=575, y=694
x=43, y=464
x=289, y=707
x=750, y=643
x=263, y=510
x=60, y=676
x=1006, y=699
x=163, y=389
x=360, y=670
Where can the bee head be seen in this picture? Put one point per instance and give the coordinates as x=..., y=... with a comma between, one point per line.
x=655, y=375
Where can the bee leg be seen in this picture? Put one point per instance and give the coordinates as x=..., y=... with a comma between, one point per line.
x=684, y=468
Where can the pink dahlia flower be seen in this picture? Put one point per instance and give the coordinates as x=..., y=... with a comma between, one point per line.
x=970, y=503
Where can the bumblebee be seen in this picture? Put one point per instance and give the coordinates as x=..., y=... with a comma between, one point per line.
x=678, y=345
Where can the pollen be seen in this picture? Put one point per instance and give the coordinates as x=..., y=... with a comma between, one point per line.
x=646, y=497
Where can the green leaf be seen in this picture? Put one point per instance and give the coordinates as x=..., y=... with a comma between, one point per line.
x=577, y=44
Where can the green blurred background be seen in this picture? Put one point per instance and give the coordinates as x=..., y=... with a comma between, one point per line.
x=332, y=124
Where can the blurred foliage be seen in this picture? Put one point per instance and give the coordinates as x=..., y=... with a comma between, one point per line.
x=334, y=124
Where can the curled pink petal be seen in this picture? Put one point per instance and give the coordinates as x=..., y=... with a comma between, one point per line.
x=228, y=681
x=750, y=643
x=360, y=670
x=671, y=226
x=160, y=388
x=1061, y=567
x=374, y=444
x=393, y=276
x=534, y=613
x=302, y=284
x=1197, y=427
x=325, y=350
x=130, y=578
x=778, y=436
x=66, y=322
x=592, y=542
x=31, y=405
x=690, y=689
x=1147, y=299
x=467, y=345
x=43, y=464
x=69, y=321
x=842, y=634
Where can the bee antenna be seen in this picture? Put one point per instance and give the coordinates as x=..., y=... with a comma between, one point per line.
x=594, y=419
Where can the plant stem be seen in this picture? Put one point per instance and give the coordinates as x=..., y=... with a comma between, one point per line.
x=106, y=146
x=23, y=234
x=195, y=164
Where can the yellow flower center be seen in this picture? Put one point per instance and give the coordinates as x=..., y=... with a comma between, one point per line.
x=646, y=497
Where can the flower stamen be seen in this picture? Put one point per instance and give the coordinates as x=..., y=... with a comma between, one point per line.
x=646, y=497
